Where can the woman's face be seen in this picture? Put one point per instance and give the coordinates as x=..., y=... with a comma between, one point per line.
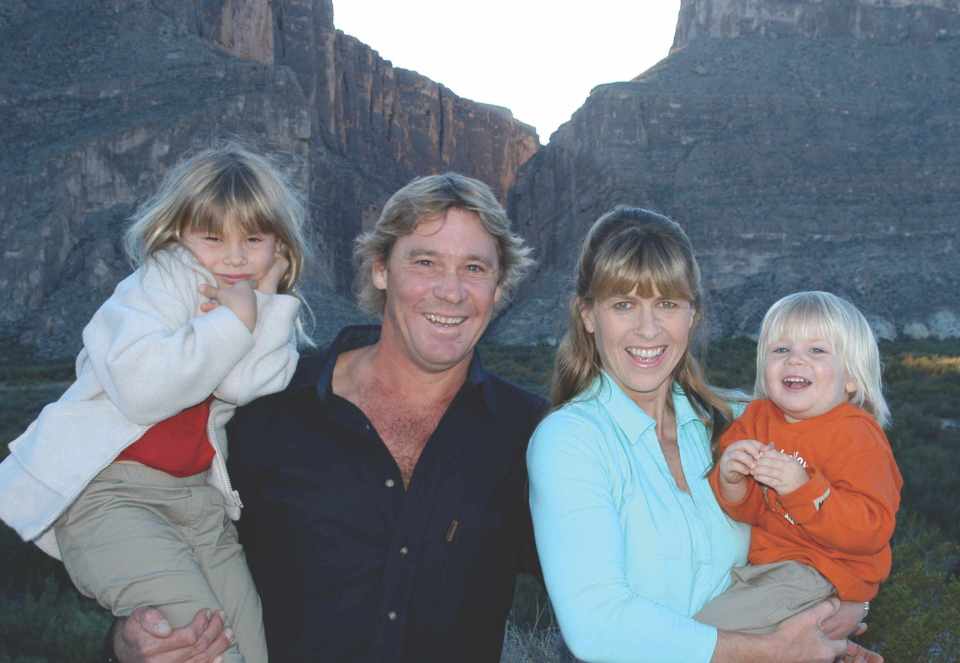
x=640, y=341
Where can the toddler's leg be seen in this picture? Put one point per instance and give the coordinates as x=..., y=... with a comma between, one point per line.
x=225, y=567
x=125, y=542
x=760, y=597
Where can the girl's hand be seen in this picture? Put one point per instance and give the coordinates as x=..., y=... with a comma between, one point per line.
x=269, y=283
x=779, y=471
x=238, y=297
x=739, y=459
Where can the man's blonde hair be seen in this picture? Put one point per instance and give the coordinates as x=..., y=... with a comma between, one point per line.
x=427, y=198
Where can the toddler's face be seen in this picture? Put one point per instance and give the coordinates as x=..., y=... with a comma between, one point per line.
x=233, y=255
x=805, y=377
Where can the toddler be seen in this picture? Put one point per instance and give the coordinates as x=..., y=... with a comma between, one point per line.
x=809, y=467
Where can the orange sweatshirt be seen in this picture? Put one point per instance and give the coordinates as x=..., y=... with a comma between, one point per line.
x=840, y=521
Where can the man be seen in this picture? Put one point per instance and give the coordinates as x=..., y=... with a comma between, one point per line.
x=385, y=490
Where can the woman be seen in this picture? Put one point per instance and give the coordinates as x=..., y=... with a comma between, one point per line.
x=631, y=539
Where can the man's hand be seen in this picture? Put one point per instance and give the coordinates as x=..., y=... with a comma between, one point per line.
x=238, y=297
x=146, y=637
x=779, y=471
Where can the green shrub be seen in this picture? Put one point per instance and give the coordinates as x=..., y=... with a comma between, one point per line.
x=916, y=617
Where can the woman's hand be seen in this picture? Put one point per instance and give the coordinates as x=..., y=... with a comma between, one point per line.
x=146, y=637
x=800, y=639
x=846, y=622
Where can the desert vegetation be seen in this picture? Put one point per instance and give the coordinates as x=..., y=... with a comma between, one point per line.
x=916, y=617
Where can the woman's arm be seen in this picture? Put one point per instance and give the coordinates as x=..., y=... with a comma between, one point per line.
x=804, y=638
x=796, y=639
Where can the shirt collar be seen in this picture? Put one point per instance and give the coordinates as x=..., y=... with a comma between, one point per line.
x=358, y=336
x=629, y=416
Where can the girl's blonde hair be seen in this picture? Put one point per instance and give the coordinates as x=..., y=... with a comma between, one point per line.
x=629, y=249
x=221, y=184
x=824, y=315
x=212, y=187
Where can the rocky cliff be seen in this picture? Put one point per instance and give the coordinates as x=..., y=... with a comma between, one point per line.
x=803, y=144
x=798, y=154
x=99, y=98
x=887, y=21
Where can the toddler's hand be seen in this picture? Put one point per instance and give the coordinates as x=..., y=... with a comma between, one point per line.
x=738, y=460
x=268, y=284
x=779, y=471
x=238, y=297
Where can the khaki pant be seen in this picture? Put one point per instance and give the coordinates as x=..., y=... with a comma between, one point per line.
x=760, y=597
x=140, y=537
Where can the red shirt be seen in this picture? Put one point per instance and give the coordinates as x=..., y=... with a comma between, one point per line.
x=178, y=445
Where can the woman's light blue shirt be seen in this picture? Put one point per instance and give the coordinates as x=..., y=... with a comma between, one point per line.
x=628, y=557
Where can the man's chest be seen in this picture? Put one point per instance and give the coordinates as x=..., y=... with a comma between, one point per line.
x=404, y=432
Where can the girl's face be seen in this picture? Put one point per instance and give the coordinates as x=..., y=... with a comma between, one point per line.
x=805, y=377
x=640, y=341
x=233, y=255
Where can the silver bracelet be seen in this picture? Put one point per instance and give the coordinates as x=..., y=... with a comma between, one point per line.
x=866, y=609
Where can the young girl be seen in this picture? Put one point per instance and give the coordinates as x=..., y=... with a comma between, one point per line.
x=125, y=476
x=809, y=467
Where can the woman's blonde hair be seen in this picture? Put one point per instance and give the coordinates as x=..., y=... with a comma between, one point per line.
x=817, y=314
x=628, y=249
x=427, y=198
x=212, y=187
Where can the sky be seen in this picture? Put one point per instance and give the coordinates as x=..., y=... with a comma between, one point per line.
x=539, y=58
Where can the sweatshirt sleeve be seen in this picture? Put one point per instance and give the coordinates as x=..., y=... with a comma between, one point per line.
x=152, y=352
x=268, y=367
x=580, y=541
x=855, y=512
x=752, y=506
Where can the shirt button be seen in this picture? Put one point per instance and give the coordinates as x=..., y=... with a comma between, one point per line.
x=404, y=551
x=392, y=616
x=389, y=483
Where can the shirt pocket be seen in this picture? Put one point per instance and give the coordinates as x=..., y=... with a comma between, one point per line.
x=657, y=550
x=652, y=529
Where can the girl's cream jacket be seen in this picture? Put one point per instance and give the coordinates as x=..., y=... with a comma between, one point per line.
x=148, y=353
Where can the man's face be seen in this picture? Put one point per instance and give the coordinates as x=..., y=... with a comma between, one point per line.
x=441, y=284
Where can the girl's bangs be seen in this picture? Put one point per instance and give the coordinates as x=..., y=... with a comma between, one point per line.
x=240, y=206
